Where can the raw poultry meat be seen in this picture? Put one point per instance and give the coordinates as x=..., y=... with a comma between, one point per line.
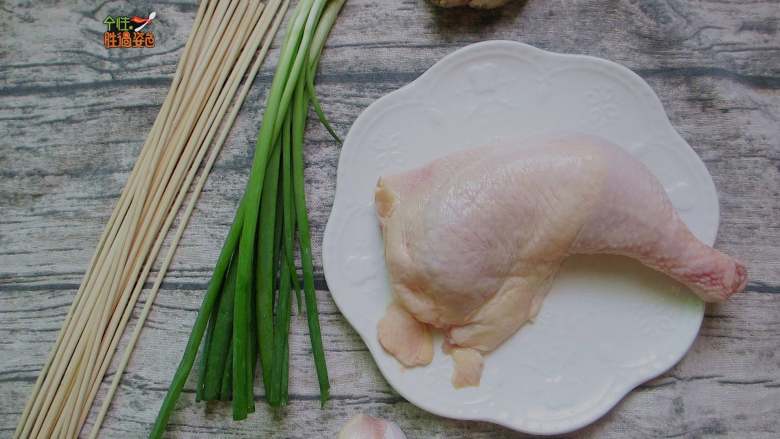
x=474, y=240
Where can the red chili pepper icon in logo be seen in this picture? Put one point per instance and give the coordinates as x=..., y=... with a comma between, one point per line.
x=142, y=21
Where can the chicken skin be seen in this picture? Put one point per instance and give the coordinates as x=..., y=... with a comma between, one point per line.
x=474, y=240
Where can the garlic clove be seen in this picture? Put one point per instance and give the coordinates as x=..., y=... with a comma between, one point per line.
x=368, y=427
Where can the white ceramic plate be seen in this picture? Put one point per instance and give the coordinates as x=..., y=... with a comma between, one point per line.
x=608, y=324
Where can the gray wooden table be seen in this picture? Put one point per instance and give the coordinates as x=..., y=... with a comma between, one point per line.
x=74, y=114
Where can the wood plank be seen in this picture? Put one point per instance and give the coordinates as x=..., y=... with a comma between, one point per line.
x=73, y=115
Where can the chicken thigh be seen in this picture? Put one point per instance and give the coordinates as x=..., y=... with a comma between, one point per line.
x=474, y=240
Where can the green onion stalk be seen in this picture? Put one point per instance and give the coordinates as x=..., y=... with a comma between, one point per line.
x=246, y=311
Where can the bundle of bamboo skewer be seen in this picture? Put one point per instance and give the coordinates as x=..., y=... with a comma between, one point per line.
x=194, y=121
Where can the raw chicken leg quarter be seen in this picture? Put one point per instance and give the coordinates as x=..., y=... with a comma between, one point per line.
x=474, y=240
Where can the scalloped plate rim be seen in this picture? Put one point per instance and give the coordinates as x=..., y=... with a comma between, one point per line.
x=654, y=101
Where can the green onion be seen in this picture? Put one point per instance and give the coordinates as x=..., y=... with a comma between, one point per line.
x=199, y=392
x=226, y=386
x=188, y=358
x=280, y=341
x=246, y=311
x=266, y=270
x=221, y=339
x=312, y=316
x=275, y=106
x=320, y=36
x=288, y=208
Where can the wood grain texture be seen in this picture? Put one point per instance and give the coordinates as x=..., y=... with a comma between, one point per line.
x=73, y=116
